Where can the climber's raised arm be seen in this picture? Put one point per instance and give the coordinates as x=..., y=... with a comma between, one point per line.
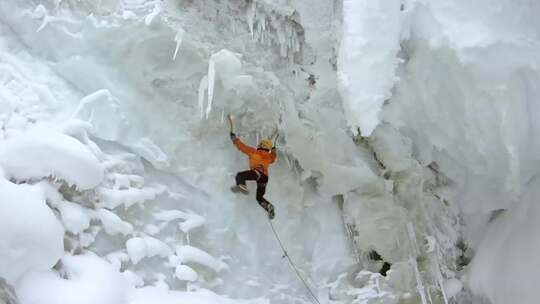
x=241, y=146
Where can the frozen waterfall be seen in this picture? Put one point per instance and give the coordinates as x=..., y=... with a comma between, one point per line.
x=407, y=159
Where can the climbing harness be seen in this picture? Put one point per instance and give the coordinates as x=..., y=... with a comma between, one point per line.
x=291, y=263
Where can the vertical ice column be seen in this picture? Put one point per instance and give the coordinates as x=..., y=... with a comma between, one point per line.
x=224, y=65
x=203, y=85
x=414, y=250
x=211, y=83
x=178, y=39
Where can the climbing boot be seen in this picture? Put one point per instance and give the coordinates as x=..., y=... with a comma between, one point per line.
x=240, y=189
x=270, y=209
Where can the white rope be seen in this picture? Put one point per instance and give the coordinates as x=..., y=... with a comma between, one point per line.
x=291, y=263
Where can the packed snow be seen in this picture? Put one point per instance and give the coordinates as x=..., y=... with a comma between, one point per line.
x=39, y=154
x=24, y=248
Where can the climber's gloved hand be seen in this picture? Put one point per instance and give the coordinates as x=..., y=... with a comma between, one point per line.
x=233, y=136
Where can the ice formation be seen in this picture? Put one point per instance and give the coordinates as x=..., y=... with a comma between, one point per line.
x=368, y=61
x=407, y=151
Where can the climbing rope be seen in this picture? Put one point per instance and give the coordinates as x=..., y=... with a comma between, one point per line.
x=291, y=263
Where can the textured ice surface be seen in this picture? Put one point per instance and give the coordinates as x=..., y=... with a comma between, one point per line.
x=445, y=89
x=368, y=61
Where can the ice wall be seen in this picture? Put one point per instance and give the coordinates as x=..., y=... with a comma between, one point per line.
x=134, y=105
x=465, y=96
x=136, y=92
x=467, y=99
x=464, y=107
x=141, y=73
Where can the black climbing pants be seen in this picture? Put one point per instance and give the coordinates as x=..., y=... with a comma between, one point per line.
x=260, y=178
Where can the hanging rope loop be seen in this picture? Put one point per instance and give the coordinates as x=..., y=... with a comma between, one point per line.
x=293, y=266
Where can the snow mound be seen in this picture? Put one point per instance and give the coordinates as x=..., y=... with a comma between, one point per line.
x=90, y=280
x=22, y=246
x=40, y=154
x=157, y=295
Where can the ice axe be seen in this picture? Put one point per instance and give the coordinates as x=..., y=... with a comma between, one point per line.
x=276, y=132
x=275, y=136
x=230, y=123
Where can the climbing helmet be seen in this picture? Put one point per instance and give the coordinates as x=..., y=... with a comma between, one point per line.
x=266, y=144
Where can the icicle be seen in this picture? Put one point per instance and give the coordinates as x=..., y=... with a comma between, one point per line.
x=378, y=284
x=250, y=16
x=202, y=87
x=412, y=258
x=259, y=30
x=288, y=161
x=91, y=98
x=429, y=296
x=211, y=83
x=178, y=38
x=440, y=279
x=41, y=11
x=282, y=41
x=155, y=11
x=295, y=169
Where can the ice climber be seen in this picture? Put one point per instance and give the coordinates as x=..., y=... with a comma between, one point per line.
x=259, y=161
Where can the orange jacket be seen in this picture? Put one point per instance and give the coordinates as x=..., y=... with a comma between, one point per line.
x=258, y=159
